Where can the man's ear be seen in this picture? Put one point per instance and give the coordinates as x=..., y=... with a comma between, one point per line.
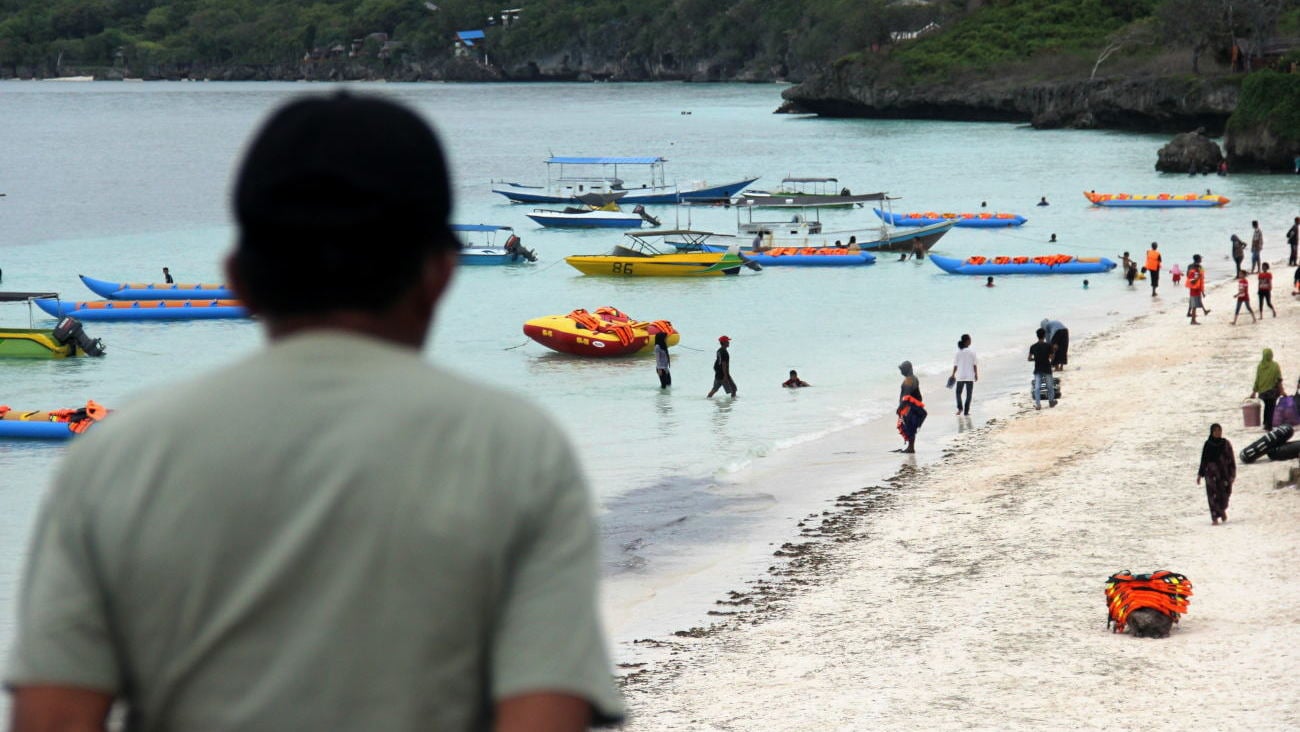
x=436, y=277
x=235, y=278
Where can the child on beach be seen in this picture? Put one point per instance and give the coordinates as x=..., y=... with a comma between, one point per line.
x=1176, y=274
x=1243, y=298
x=1264, y=287
x=1130, y=268
x=1195, y=288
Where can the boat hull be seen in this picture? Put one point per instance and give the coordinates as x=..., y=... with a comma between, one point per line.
x=1108, y=200
x=11, y=429
x=964, y=220
x=490, y=256
x=35, y=344
x=560, y=333
x=107, y=310
x=156, y=291
x=657, y=195
x=559, y=220
x=808, y=257
x=953, y=265
x=693, y=264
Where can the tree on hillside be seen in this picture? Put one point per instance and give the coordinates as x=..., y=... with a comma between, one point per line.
x=1198, y=23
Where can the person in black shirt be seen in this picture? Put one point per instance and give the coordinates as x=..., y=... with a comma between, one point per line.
x=167, y=276
x=1041, y=354
x=722, y=369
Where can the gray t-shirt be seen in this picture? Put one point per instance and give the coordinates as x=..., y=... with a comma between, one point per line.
x=331, y=534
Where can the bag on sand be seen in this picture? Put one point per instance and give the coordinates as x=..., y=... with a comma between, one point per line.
x=1286, y=411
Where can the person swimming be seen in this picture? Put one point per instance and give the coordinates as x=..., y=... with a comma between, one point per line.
x=990, y=282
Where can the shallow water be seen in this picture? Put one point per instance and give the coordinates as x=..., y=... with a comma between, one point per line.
x=116, y=181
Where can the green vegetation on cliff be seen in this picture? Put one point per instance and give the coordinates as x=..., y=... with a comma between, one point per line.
x=1017, y=30
x=1269, y=101
x=46, y=36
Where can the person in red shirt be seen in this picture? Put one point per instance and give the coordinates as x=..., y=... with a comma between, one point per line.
x=1265, y=288
x=1195, y=288
x=1243, y=298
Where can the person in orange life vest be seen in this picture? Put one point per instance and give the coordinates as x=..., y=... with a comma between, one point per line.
x=1265, y=288
x=1195, y=288
x=1153, y=267
x=1243, y=298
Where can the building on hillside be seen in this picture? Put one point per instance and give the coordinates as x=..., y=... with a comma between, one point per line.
x=1250, y=55
x=469, y=44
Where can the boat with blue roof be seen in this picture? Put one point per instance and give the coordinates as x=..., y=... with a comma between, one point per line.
x=568, y=177
x=487, y=251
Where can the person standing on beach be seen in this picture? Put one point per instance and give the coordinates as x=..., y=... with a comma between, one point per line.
x=722, y=369
x=1264, y=287
x=1243, y=298
x=326, y=534
x=1292, y=239
x=1196, y=288
x=662, y=360
x=1238, y=252
x=1153, y=267
x=1219, y=469
x=167, y=276
x=911, y=407
x=1256, y=246
x=965, y=370
x=1041, y=354
x=1059, y=338
x=1130, y=268
x=1268, y=385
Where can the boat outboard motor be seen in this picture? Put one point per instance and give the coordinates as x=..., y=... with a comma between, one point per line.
x=515, y=248
x=640, y=211
x=69, y=330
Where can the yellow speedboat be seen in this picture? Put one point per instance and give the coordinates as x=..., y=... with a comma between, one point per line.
x=661, y=254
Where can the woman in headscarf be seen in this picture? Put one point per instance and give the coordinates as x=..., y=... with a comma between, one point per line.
x=1219, y=469
x=911, y=410
x=1059, y=336
x=1268, y=385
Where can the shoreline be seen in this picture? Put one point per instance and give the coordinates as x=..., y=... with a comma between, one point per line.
x=852, y=606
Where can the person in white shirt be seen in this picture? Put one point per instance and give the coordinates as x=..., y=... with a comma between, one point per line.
x=965, y=370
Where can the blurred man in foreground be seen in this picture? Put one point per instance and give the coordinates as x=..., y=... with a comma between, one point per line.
x=331, y=534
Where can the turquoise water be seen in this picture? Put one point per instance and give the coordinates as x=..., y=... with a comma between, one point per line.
x=115, y=181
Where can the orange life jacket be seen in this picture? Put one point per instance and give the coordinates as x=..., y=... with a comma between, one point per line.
x=1153, y=260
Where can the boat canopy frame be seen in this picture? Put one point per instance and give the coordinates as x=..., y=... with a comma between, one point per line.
x=641, y=242
x=29, y=298
x=604, y=169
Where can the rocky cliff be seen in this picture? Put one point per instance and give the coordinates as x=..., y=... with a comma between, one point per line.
x=1264, y=133
x=1149, y=104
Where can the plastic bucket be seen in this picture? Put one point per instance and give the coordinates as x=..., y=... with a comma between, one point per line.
x=1250, y=413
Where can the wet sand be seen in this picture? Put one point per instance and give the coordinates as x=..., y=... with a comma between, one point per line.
x=967, y=593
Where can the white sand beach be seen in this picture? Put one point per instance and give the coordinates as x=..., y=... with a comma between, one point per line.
x=968, y=594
